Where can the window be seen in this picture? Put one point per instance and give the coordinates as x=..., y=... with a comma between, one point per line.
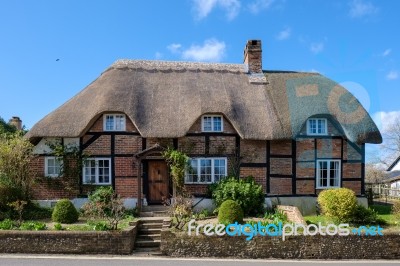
x=97, y=171
x=328, y=173
x=317, y=126
x=206, y=170
x=114, y=122
x=53, y=166
x=212, y=123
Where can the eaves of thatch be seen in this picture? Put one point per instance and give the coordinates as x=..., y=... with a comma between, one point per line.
x=164, y=99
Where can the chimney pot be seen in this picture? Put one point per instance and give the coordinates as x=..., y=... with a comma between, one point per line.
x=253, y=56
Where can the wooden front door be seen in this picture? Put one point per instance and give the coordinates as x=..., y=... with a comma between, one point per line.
x=158, y=181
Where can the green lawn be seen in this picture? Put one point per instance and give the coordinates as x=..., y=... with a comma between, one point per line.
x=384, y=213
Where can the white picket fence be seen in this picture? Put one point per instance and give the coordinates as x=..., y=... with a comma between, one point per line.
x=384, y=191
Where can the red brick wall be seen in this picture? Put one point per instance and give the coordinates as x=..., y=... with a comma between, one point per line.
x=305, y=187
x=281, y=186
x=281, y=166
x=329, y=148
x=353, y=185
x=126, y=187
x=222, y=145
x=192, y=145
x=127, y=144
x=253, y=151
x=101, y=146
x=281, y=147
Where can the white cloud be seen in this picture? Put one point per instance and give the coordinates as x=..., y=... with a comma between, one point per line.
x=284, y=34
x=317, y=47
x=174, y=47
x=385, y=120
x=360, y=8
x=259, y=5
x=202, y=8
x=212, y=50
x=392, y=75
x=386, y=52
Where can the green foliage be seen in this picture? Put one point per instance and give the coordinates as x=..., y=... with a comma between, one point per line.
x=18, y=206
x=8, y=194
x=246, y=192
x=33, y=225
x=339, y=203
x=396, y=209
x=6, y=128
x=65, y=212
x=58, y=227
x=33, y=211
x=15, y=163
x=104, y=203
x=365, y=216
x=276, y=216
x=181, y=211
x=230, y=212
x=203, y=214
x=7, y=224
x=99, y=225
x=178, y=164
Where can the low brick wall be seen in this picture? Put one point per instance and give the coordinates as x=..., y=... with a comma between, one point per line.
x=295, y=247
x=68, y=242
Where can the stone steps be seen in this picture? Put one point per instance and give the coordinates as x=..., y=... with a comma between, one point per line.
x=149, y=233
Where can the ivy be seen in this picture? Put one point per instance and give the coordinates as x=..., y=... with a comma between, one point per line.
x=178, y=163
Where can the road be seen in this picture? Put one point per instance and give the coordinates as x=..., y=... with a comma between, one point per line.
x=48, y=260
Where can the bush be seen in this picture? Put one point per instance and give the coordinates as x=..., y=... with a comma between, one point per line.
x=65, y=212
x=339, y=203
x=396, y=209
x=104, y=203
x=33, y=225
x=8, y=194
x=230, y=212
x=276, y=217
x=7, y=224
x=98, y=226
x=181, y=211
x=364, y=216
x=58, y=227
x=246, y=192
x=33, y=211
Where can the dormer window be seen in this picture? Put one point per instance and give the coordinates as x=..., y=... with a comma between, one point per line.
x=212, y=123
x=114, y=122
x=317, y=126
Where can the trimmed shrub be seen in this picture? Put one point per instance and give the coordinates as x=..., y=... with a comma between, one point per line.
x=245, y=191
x=230, y=212
x=338, y=203
x=65, y=212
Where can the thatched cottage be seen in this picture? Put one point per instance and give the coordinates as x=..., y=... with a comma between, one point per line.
x=296, y=133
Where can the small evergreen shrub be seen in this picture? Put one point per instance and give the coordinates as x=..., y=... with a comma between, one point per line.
x=245, y=191
x=338, y=203
x=65, y=212
x=8, y=194
x=230, y=212
x=364, y=216
x=58, y=227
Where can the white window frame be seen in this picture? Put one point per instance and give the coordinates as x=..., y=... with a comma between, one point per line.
x=46, y=166
x=317, y=121
x=328, y=173
x=96, y=182
x=115, y=122
x=212, y=169
x=212, y=123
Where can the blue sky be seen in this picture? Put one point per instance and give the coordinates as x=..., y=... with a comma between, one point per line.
x=354, y=42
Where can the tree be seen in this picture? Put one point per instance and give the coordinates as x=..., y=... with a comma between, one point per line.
x=16, y=155
x=374, y=174
x=390, y=147
x=6, y=128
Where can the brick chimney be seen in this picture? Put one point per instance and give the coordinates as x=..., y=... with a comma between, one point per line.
x=253, y=56
x=15, y=121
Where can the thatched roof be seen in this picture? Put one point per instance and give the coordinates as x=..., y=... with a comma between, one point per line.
x=164, y=99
